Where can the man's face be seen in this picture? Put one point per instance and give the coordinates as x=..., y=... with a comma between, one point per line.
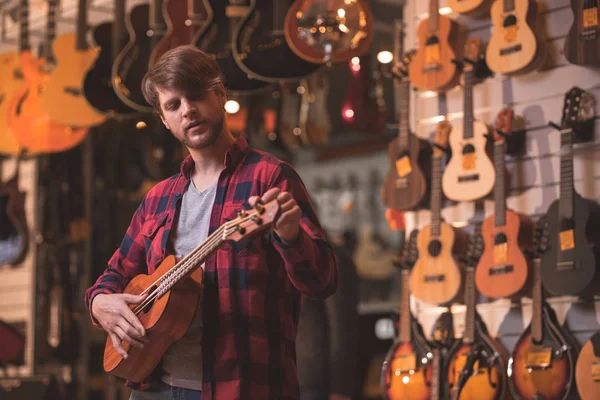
x=195, y=122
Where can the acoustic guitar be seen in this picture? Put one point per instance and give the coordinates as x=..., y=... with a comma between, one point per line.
x=407, y=370
x=582, y=45
x=436, y=277
x=318, y=120
x=63, y=95
x=469, y=174
x=14, y=234
x=587, y=370
x=477, y=363
x=329, y=31
x=571, y=264
x=474, y=8
x=432, y=67
x=27, y=119
x=503, y=269
x=12, y=80
x=543, y=361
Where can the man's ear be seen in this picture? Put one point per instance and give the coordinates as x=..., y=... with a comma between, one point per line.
x=222, y=94
x=164, y=121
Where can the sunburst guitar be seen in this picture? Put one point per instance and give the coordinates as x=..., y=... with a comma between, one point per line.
x=587, y=370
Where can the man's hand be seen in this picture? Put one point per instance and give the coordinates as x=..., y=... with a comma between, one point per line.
x=115, y=316
x=287, y=225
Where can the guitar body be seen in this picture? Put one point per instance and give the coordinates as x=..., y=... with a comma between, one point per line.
x=470, y=174
x=63, y=95
x=166, y=321
x=436, y=277
x=178, y=33
x=582, y=45
x=513, y=45
x=14, y=234
x=586, y=371
x=503, y=269
x=28, y=120
x=10, y=67
x=470, y=7
x=431, y=67
x=261, y=50
x=577, y=273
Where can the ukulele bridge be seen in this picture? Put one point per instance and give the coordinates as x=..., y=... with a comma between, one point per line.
x=511, y=49
x=595, y=370
x=565, y=266
x=404, y=363
x=468, y=178
x=435, y=278
x=501, y=270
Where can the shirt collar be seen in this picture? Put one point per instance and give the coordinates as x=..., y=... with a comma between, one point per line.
x=233, y=156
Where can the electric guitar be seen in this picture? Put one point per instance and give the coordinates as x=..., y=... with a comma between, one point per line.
x=469, y=174
x=436, y=277
x=582, y=45
x=587, y=370
x=503, y=269
x=543, y=360
x=175, y=14
x=10, y=70
x=473, y=8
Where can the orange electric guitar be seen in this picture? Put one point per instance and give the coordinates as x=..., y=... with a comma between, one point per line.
x=27, y=119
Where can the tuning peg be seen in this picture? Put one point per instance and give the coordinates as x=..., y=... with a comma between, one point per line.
x=259, y=208
x=469, y=61
x=241, y=213
x=502, y=133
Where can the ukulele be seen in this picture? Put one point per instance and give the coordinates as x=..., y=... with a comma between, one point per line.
x=175, y=14
x=63, y=95
x=169, y=293
x=474, y=8
x=407, y=369
x=432, y=67
x=318, y=32
x=477, y=363
x=469, y=174
x=27, y=119
x=570, y=265
x=582, y=45
x=503, y=269
x=514, y=47
x=14, y=234
x=216, y=38
x=260, y=48
x=436, y=277
x=587, y=370
x=543, y=360
x=12, y=80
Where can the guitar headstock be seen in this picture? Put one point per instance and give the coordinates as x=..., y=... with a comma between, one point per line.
x=442, y=133
x=503, y=126
x=579, y=106
x=250, y=222
x=472, y=53
x=540, y=238
x=410, y=252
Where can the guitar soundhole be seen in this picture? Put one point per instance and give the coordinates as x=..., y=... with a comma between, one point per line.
x=432, y=40
x=510, y=21
x=500, y=239
x=148, y=307
x=468, y=149
x=435, y=248
x=10, y=240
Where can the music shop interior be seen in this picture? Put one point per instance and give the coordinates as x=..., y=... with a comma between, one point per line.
x=449, y=150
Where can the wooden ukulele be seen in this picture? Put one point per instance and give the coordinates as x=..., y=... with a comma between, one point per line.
x=14, y=234
x=582, y=45
x=436, y=277
x=571, y=263
x=28, y=120
x=407, y=369
x=514, y=47
x=503, y=269
x=172, y=295
x=63, y=95
x=318, y=33
x=432, y=67
x=473, y=8
x=543, y=360
x=469, y=174
x=587, y=370
x=261, y=49
x=216, y=38
x=12, y=80
x=477, y=363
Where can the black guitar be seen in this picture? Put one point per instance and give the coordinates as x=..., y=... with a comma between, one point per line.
x=14, y=237
x=260, y=47
x=216, y=38
x=111, y=37
x=570, y=264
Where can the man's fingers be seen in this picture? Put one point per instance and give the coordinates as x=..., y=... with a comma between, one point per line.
x=134, y=321
x=294, y=212
x=117, y=344
x=134, y=342
x=270, y=194
x=252, y=200
x=132, y=298
x=288, y=205
x=131, y=331
x=284, y=197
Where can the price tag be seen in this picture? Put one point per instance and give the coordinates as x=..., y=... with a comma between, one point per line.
x=596, y=371
x=404, y=363
x=590, y=17
x=432, y=53
x=395, y=219
x=500, y=253
x=510, y=34
x=539, y=358
x=468, y=161
x=403, y=166
x=567, y=242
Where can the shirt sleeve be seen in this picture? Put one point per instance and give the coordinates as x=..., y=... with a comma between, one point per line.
x=128, y=261
x=310, y=260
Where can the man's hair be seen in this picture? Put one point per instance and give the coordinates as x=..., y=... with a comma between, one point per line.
x=184, y=68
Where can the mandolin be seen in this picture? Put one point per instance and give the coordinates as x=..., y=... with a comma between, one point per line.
x=261, y=49
x=63, y=95
x=543, y=360
x=582, y=45
x=436, y=277
x=432, y=67
x=216, y=38
x=570, y=265
x=477, y=364
x=503, y=269
x=469, y=174
x=172, y=293
x=407, y=370
x=587, y=370
x=12, y=80
x=474, y=8
x=14, y=233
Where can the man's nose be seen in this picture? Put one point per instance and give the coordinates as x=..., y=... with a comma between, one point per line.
x=188, y=108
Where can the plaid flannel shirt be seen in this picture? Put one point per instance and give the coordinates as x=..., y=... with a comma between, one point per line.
x=251, y=289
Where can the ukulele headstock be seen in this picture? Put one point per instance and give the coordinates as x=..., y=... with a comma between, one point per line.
x=250, y=222
x=472, y=53
x=474, y=247
x=410, y=252
x=540, y=238
x=579, y=107
x=503, y=126
x=442, y=133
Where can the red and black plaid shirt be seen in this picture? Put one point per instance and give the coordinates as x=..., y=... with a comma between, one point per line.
x=251, y=290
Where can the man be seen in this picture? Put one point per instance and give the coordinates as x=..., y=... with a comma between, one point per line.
x=241, y=343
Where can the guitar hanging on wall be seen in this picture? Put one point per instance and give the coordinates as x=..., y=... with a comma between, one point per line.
x=582, y=45
x=473, y=8
x=587, y=370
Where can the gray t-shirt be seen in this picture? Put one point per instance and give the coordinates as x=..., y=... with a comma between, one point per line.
x=182, y=363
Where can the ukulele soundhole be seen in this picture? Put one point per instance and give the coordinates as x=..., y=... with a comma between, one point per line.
x=151, y=294
x=435, y=248
x=432, y=55
x=10, y=240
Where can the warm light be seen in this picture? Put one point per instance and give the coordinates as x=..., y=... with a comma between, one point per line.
x=349, y=113
x=355, y=61
x=445, y=10
x=297, y=131
x=272, y=136
x=385, y=57
x=459, y=224
x=140, y=125
x=232, y=106
x=341, y=12
x=300, y=89
x=405, y=379
x=343, y=28
x=356, y=67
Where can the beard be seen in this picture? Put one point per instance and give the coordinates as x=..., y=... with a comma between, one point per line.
x=209, y=138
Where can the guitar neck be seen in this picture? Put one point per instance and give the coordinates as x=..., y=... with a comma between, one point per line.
x=566, y=174
x=434, y=16
x=24, y=44
x=280, y=8
x=499, y=190
x=405, y=333
x=435, y=375
x=118, y=28
x=469, y=335
x=157, y=21
x=436, y=195
x=538, y=299
x=468, y=104
x=509, y=5
x=402, y=90
x=50, y=31
x=82, y=26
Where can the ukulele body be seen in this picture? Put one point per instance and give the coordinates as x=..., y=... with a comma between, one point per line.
x=165, y=322
x=503, y=269
x=586, y=371
x=470, y=174
x=178, y=32
x=582, y=45
x=474, y=8
x=572, y=270
x=10, y=69
x=63, y=96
